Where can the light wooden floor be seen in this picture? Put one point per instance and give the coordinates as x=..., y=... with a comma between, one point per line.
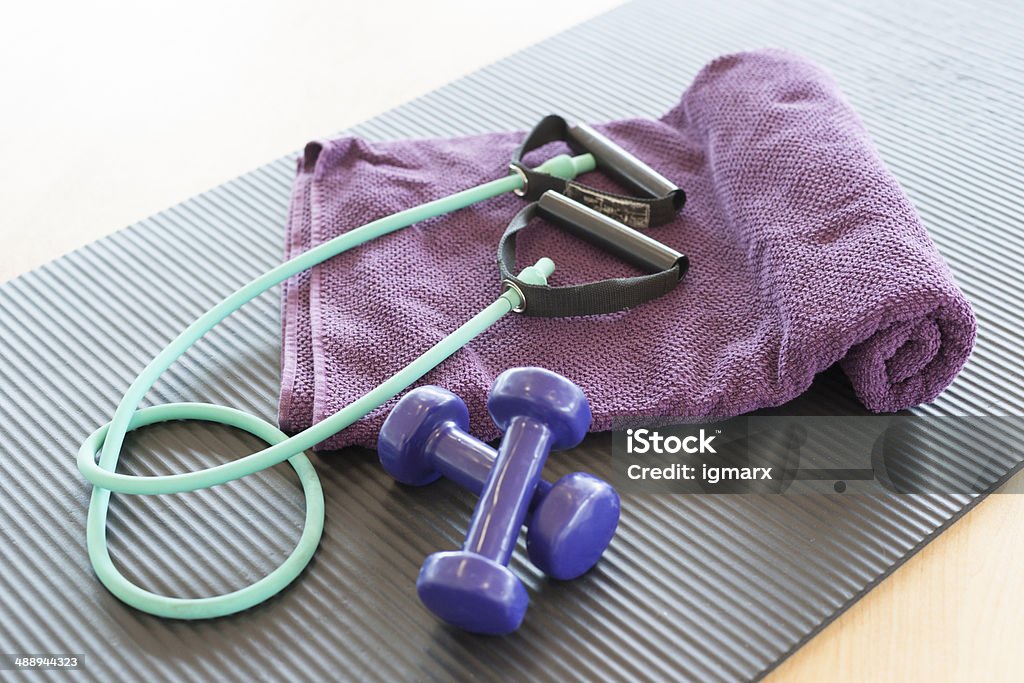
x=175, y=100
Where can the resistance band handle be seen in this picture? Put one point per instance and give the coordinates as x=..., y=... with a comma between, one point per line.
x=662, y=198
x=623, y=166
x=592, y=298
x=628, y=244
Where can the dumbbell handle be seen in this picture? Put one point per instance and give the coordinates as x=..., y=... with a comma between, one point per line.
x=467, y=461
x=511, y=485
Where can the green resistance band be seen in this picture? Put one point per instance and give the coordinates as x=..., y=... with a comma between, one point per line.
x=108, y=440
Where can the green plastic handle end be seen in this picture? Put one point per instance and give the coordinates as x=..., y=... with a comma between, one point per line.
x=539, y=272
x=566, y=167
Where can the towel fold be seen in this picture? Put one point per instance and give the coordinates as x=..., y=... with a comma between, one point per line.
x=804, y=252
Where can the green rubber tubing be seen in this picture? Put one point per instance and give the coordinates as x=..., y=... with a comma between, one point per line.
x=107, y=441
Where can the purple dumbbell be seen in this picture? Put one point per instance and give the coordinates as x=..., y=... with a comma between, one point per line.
x=570, y=523
x=473, y=588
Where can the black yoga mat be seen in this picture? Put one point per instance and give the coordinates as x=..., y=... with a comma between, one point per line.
x=693, y=587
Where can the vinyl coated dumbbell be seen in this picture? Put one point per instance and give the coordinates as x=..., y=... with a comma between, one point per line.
x=473, y=588
x=570, y=523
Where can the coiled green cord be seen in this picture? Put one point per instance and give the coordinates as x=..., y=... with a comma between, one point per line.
x=108, y=440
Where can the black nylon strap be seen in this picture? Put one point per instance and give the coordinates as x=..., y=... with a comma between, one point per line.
x=636, y=212
x=592, y=298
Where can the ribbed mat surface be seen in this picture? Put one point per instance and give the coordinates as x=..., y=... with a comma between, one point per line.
x=703, y=588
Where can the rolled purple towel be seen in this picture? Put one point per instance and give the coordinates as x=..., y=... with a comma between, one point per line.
x=804, y=252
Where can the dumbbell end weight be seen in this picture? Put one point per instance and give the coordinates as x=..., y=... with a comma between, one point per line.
x=404, y=440
x=572, y=526
x=472, y=592
x=545, y=397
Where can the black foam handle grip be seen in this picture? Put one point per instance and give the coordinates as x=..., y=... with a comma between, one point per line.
x=620, y=164
x=609, y=234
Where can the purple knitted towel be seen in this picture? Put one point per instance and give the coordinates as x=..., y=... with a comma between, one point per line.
x=804, y=252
